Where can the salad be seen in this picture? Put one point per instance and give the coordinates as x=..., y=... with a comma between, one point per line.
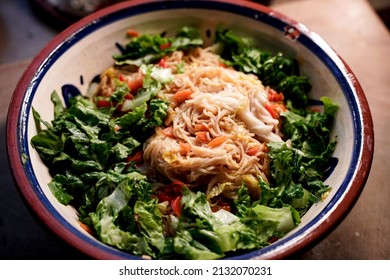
x=118, y=154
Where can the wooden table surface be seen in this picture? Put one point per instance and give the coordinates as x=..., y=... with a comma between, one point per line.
x=353, y=29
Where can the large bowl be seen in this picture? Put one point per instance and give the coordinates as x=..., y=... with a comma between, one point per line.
x=84, y=49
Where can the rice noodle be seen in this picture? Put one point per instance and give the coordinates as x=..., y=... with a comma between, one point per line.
x=224, y=102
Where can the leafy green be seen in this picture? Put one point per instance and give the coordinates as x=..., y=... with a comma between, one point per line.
x=87, y=148
x=297, y=170
x=83, y=139
x=147, y=49
x=114, y=210
x=274, y=70
x=201, y=234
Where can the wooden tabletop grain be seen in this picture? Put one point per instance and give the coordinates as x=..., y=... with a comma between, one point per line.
x=357, y=34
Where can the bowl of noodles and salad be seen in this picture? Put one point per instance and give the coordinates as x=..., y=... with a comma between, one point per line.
x=189, y=130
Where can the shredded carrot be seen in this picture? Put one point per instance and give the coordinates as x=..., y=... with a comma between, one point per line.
x=182, y=95
x=201, y=127
x=252, y=151
x=217, y=141
x=185, y=148
x=168, y=132
x=132, y=33
x=202, y=136
x=86, y=228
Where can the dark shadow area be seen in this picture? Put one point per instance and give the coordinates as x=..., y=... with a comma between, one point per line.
x=384, y=14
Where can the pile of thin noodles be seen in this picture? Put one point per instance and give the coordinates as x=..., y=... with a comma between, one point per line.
x=226, y=105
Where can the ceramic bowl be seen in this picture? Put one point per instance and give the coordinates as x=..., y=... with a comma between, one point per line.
x=83, y=50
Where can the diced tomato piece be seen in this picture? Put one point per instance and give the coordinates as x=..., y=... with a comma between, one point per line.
x=103, y=103
x=175, y=204
x=135, y=83
x=165, y=46
x=121, y=78
x=129, y=96
x=163, y=62
x=271, y=110
x=162, y=196
x=177, y=186
x=273, y=96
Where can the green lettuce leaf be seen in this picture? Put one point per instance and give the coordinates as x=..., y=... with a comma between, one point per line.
x=147, y=49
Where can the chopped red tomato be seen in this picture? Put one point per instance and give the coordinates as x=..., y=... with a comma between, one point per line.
x=175, y=204
x=165, y=46
x=129, y=96
x=177, y=185
x=103, y=103
x=274, y=96
x=162, y=196
x=121, y=78
x=135, y=83
x=271, y=110
x=163, y=62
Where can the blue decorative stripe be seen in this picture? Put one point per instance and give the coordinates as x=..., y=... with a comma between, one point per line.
x=341, y=76
x=68, y=92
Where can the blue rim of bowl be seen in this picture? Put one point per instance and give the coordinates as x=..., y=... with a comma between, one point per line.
x=310, y=40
